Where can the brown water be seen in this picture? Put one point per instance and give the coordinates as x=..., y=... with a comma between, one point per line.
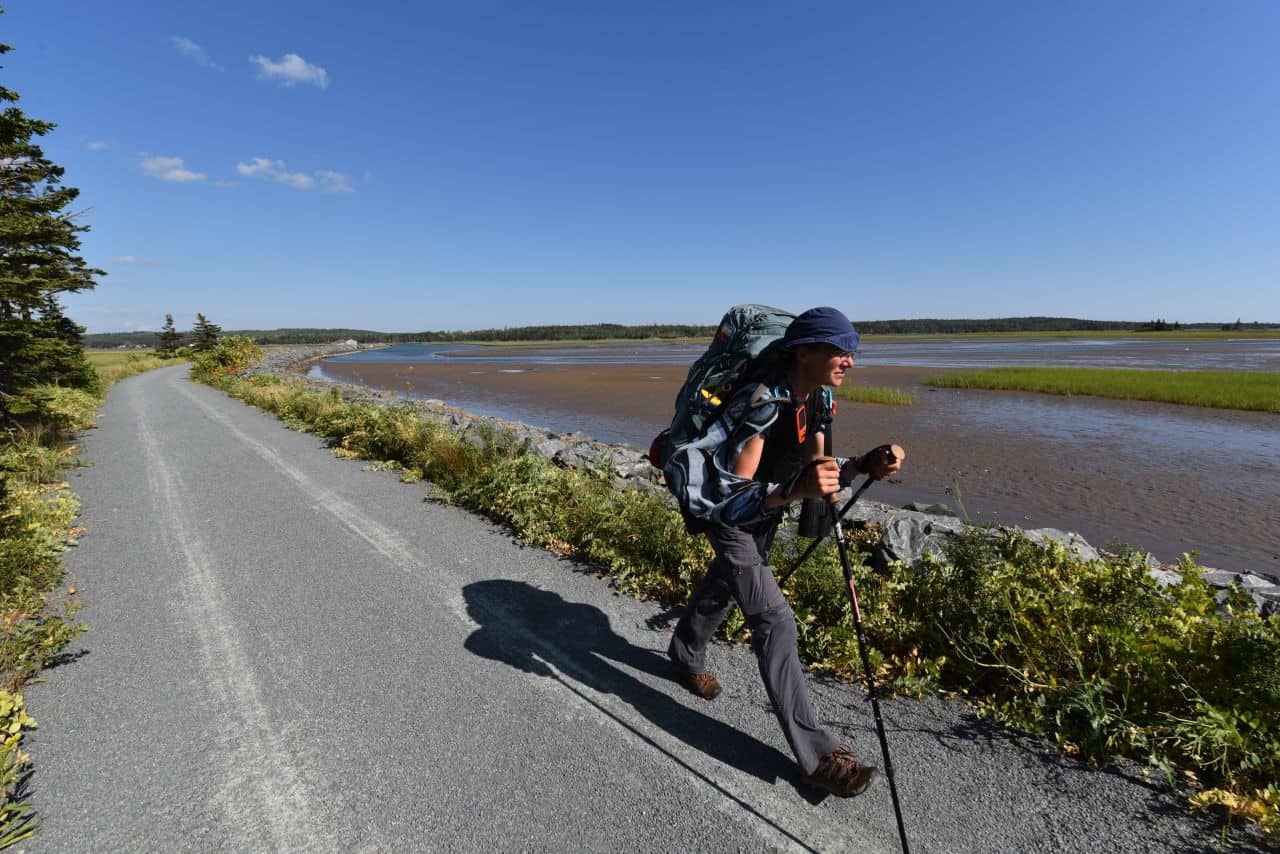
x=1168, y=479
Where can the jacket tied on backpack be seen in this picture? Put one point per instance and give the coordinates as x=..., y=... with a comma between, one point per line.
x=700, y=473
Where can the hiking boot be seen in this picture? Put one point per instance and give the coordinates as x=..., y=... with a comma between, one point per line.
x=841, y=774
x=702, y=684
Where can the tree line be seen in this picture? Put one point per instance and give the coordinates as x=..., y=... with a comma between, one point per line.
x=605, y=331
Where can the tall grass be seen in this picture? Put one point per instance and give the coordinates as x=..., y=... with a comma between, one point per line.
x=1094, y=656
x=115, y=365
x=886, y=395
x=1249, y=390
x=1272, y=333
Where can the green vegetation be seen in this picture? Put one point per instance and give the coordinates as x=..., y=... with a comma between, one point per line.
x=875, y=394
x=229, y=358
x=205, y=334
x=1253, y=390
x=169, y=339
x=1094, y=656
x=115, y=365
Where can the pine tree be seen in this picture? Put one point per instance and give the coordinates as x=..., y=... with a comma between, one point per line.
x=204, y=335
x=38, y=261
x=170, y=338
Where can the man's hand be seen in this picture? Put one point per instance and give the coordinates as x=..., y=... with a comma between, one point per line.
x=880, y=462
x=821, y=479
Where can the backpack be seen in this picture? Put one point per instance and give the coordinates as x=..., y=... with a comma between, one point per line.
x=742, y=345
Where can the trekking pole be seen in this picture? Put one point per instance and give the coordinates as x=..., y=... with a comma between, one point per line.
x=898, y=454
x=866, y=669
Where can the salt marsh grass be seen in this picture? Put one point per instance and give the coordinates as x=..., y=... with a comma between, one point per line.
x=876, y=394
x=1250, y=390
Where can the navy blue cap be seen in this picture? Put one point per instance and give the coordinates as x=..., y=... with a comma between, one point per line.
x=822, y=325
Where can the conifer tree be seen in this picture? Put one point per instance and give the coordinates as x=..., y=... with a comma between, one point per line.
x=170, y=338
x=204, y=335
x=38, y=261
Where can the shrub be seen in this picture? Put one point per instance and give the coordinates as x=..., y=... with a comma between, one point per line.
x=233, y=356
x=56, y=407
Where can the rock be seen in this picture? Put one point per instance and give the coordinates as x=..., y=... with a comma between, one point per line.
x=910, y=536
x=1252, y=582
x=574, y=458
x=1073, y=542
x=931, y=509
x=474, y=434
x=1165, y=577
x=1219, y=577
x=549, y=448
x=636, y=471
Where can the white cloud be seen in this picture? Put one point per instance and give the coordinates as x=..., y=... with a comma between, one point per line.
x=135, y=261
x=290, y=70
x=193, y=52
x=274, y=170
x=168, y=169
x=96, y=145
x=334, y=182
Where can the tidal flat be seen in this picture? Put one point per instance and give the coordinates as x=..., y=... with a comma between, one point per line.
x=1168, y=479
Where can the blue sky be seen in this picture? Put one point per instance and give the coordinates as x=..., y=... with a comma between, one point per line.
x=409, y=166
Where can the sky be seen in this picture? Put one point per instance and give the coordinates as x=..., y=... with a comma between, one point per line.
x=408, y=166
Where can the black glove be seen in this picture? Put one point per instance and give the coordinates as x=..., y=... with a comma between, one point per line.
x=881, y=453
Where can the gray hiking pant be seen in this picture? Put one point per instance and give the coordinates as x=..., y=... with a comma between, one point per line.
x=740, y=574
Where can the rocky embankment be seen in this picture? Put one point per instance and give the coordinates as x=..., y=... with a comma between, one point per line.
x=906, y=534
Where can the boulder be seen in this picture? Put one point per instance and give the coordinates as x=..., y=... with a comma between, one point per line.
x=549, y=448
x=575, y=457
x=910, y=536
x=1165, y=577
x=1072, y=541
x=931, y=509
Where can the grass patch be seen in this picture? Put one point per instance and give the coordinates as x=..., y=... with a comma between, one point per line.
x=1170, y=334
x=886, y=395
x=1248, y=390
x=1093, y=656
x=115, y=365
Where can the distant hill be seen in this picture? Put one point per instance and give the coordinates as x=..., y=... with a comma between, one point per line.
x=600, y=331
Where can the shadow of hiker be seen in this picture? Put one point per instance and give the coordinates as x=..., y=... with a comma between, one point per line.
x=529, y=628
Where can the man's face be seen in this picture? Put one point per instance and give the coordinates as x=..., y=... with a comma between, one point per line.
x=824, y=364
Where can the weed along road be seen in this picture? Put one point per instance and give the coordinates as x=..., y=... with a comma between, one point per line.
x=289, y=652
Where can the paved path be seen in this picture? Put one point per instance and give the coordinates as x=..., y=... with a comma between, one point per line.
x=289, y=653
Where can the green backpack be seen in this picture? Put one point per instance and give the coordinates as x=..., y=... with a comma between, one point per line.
x=745, y=334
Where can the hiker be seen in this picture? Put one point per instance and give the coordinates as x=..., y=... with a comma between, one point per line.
x=772, y=428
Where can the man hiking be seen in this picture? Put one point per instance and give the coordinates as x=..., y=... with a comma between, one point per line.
x=771, y=454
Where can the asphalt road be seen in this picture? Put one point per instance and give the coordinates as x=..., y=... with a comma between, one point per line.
x=287, y=652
